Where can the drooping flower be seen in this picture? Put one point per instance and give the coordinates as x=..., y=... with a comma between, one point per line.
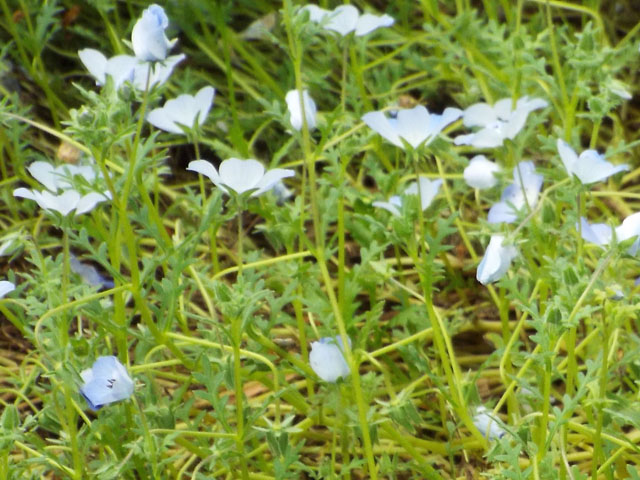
x=496, y=261
x=487, y=425
x=497, y=122
x=59, y=178
x=6, y=287
x=295, y=111
x=523, y=191
x=241, y=176
x=183, y=111
x=589, y=167
x=428, y=190
x=127, y=68
x=327, y=359
x=89, y=273
x=480, y=173
x=415, y=126
x=149, y=42
x=346, y=19
x=107, y=381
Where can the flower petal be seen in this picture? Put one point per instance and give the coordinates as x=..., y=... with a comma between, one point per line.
x=478, y=115
x=106, y=382
x=486, y=425
x=413, y=125
x=591, y=167
x=598, y=233
x=393, y=205
x=46, y=174
x=207, y=169
x=367, y=23
x=95, y=62
x=6, y=287
x=270, y=179
x=567, y=155
x=90, y=200
x=148, y=39
x=379, y=123
x=428, y=190
x=343, y=19
x=241, y=175
x=295, y=111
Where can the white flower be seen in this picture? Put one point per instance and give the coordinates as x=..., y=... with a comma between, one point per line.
x=295, y=111
x=184, y=110
x=59, y=178
x=630, y=228
x=428, y=190
x=107, y=381
x=66, y=202
x=497, y=122
x=415, y=125
x=601, y=234
x=496, y=261
x=127, y=68
x=327, y=359
x=393, y=205
x=241, y=175
x=148, y=39
x=590, y=167
x=346, y=19
x=480, y=173
x=6, y=287
x=487, y=426
x=523, y=191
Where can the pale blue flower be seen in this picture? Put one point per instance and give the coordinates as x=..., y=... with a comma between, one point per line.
x=183, y=111
x=107, y=381
x=416, y=126
x=241, y=175
x=589, y=167
x=428, y=190
x=327, y=359
x=345, y=19
x=149, y=42
x=496, y=261
x=6, y=287
x=523, y=191
x=487, y=425
x=295, y=111
x=480, y=173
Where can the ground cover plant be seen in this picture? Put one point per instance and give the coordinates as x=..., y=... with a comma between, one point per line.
x=275, y=240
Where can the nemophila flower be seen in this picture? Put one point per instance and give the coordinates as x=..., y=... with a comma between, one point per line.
x=6, y=287
x=89, y=273
x=393, y=205
x=428, y=190
x=295, y=112
x=183, y=111
x=487, y=425
x=281, y=192
x=241, y=176
x=415, y=126
x=149, y=42
x=589, y=167
x=346, y=19
x=127, y=68
x=480, y=173
x=523, y=191
x=497, y=122
x=597, y=233
x=59, y=178
x=327, y=359
x=107, y=381
x=496, y=261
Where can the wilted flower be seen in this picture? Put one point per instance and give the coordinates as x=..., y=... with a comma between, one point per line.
x=346, y=19
x=498, y=122
x=480, y=173
x=6, y=287
x=107, y=381
x=295, y=112
x=487, y=426
x=184, y=110
x=89, y=273
x=523, y=191
x=496, y=261
x=590, y=167
x=127, y=68
x=59, y=178
x=149, y=42
x=415, y=126
x=327, y=359
x=428, y=190
x=241, y=175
